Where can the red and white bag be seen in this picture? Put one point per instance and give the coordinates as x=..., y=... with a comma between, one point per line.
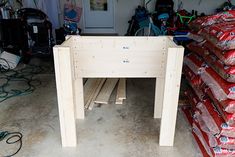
x=225, y=105
x=203, y=140
x=211, y=116
x=194, y=62
x=211, y=151
x=194, y=79
x=221, y=35
x=227, y=57
x=226, y=72
x=229, y=118
x=205, y=21
x=220, y=88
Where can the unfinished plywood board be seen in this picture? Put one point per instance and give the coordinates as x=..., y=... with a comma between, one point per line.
x=118, y=57
x=128, y=58
x=121, y=91
x=106, y=91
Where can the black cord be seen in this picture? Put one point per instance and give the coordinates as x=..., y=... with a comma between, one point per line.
x=12, y=138
x=25, y=75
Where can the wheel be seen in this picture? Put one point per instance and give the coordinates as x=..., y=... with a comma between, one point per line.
x=145, y=31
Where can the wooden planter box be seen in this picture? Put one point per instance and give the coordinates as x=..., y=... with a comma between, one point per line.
x=117, y=57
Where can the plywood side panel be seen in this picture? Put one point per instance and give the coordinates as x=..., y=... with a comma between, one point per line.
x=119, y=43
x=115, y=64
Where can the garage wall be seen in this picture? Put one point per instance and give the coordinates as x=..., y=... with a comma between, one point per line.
x=123, y=12
x=125, y=9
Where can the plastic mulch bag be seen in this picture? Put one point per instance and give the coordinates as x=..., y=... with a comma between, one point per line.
x=225, y=71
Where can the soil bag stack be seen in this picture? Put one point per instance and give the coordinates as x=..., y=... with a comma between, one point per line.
x=210, y=72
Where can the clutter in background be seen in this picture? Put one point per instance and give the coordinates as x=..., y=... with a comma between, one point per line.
x=8, y=60
x=227, y=5
x=72, y=15
x=25, y=32
x=144, y=23
x=28, y=31
x=209, y=69
x=163, y=21
x=50, y=7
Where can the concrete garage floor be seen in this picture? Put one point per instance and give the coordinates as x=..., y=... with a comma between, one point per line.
x=108, y=131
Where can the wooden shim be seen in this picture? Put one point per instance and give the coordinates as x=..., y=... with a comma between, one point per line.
x=106, y=91
x=97, y=91
x=89, y=90
x=121, y=91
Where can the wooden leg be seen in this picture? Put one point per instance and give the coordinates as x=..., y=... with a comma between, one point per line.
x=171, y=96
x=79, y=98
x=159, y=90
x=65, y=94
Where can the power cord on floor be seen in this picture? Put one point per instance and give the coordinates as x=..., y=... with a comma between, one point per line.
x=12, y=138
x=24, y=76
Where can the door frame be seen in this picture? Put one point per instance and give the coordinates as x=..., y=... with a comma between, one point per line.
x=99, y=30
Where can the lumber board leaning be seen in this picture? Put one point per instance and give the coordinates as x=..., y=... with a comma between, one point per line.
x=65, y=95
x=121, y=91
x=89, y=90
x=97, y=91
x=106, y=91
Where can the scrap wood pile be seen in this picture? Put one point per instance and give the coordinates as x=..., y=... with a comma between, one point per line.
x=98, y=91
x=210, y=72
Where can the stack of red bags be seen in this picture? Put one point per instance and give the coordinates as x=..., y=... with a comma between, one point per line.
x=213, y=119
x=217, y=29
x=210, y=72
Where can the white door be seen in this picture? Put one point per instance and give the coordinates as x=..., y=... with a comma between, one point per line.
x=98, y=16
